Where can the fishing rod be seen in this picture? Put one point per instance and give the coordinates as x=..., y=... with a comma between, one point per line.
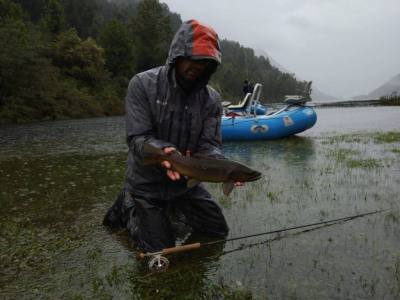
x=159, y=262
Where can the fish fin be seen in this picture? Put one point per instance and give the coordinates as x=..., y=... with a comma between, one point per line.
x=192, y=182
x=227, y=188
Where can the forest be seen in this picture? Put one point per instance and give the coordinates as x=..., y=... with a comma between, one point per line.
x=62, y=59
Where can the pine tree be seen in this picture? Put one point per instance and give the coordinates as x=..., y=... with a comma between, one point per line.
x=118, y=47
x=81, y=60
x=27, y=79
x=81, y=14
x=53, y=17
x=152, y=34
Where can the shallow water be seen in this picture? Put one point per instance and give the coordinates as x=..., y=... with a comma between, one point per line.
x=57, y=179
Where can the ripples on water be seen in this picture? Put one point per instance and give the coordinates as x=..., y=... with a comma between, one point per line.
x=97, y=135
x=58, y=178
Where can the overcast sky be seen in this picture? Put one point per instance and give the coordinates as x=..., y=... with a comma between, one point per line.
x=346, y=47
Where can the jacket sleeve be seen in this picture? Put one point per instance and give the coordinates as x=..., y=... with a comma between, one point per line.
x=140, y=126
x=210, y=143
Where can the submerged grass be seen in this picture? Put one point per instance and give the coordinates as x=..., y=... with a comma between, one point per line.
x=346, y=156
x=363, y=138
x=395, y=150
x=354, y=158
x=52, y=244
x=363, y=163
x=345, y=138
x=387, y=137
x=193, y=284
x=342, y=154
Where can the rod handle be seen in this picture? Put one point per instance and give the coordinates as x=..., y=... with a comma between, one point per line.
x=165, y=251
x=140, y=255
x=181, y=248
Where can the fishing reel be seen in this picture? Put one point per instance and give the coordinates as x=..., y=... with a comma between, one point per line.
x=158, y=263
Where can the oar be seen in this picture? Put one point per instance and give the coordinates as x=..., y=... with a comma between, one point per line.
x=160, y=263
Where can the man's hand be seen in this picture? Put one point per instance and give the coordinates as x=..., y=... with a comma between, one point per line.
x=166, y=164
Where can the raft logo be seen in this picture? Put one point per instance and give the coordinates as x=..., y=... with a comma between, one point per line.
x=259, y=128
x=288, y=121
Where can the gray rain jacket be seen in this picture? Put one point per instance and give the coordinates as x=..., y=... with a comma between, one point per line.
x=160, y=112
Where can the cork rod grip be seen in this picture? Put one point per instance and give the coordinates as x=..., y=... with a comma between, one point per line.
x=141, y=255
x=182, y=248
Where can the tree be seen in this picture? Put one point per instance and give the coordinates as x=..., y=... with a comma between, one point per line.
x=9, y=11
x=81, y=60
x=28, y=81
x=67, y=74
x=54, y=18
x=81, y=14
x=118, y=48
x=82, y=64
x=152, y=34
x=33, y=7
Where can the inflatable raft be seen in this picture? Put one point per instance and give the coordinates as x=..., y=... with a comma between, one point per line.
x=251, y=120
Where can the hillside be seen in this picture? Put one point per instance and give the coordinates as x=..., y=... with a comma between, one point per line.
x=316, y=94
x=387, y=89
x=86, y=51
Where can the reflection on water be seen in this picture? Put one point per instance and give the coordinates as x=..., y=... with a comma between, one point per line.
x=293, y=150
x=353, y=119
x=58, y=178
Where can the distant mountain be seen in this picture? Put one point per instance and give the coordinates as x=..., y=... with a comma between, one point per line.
x=316, y=94
x=386, y=89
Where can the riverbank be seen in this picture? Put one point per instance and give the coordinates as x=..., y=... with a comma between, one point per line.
x=349, y=103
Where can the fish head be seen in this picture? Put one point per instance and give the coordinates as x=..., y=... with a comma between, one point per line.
x=242, y=173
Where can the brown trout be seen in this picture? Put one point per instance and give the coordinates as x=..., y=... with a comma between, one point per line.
x=198, y=169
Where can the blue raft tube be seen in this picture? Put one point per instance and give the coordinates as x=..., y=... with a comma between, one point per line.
x=250, y=120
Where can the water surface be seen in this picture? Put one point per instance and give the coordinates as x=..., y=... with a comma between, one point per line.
x=57, y=180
